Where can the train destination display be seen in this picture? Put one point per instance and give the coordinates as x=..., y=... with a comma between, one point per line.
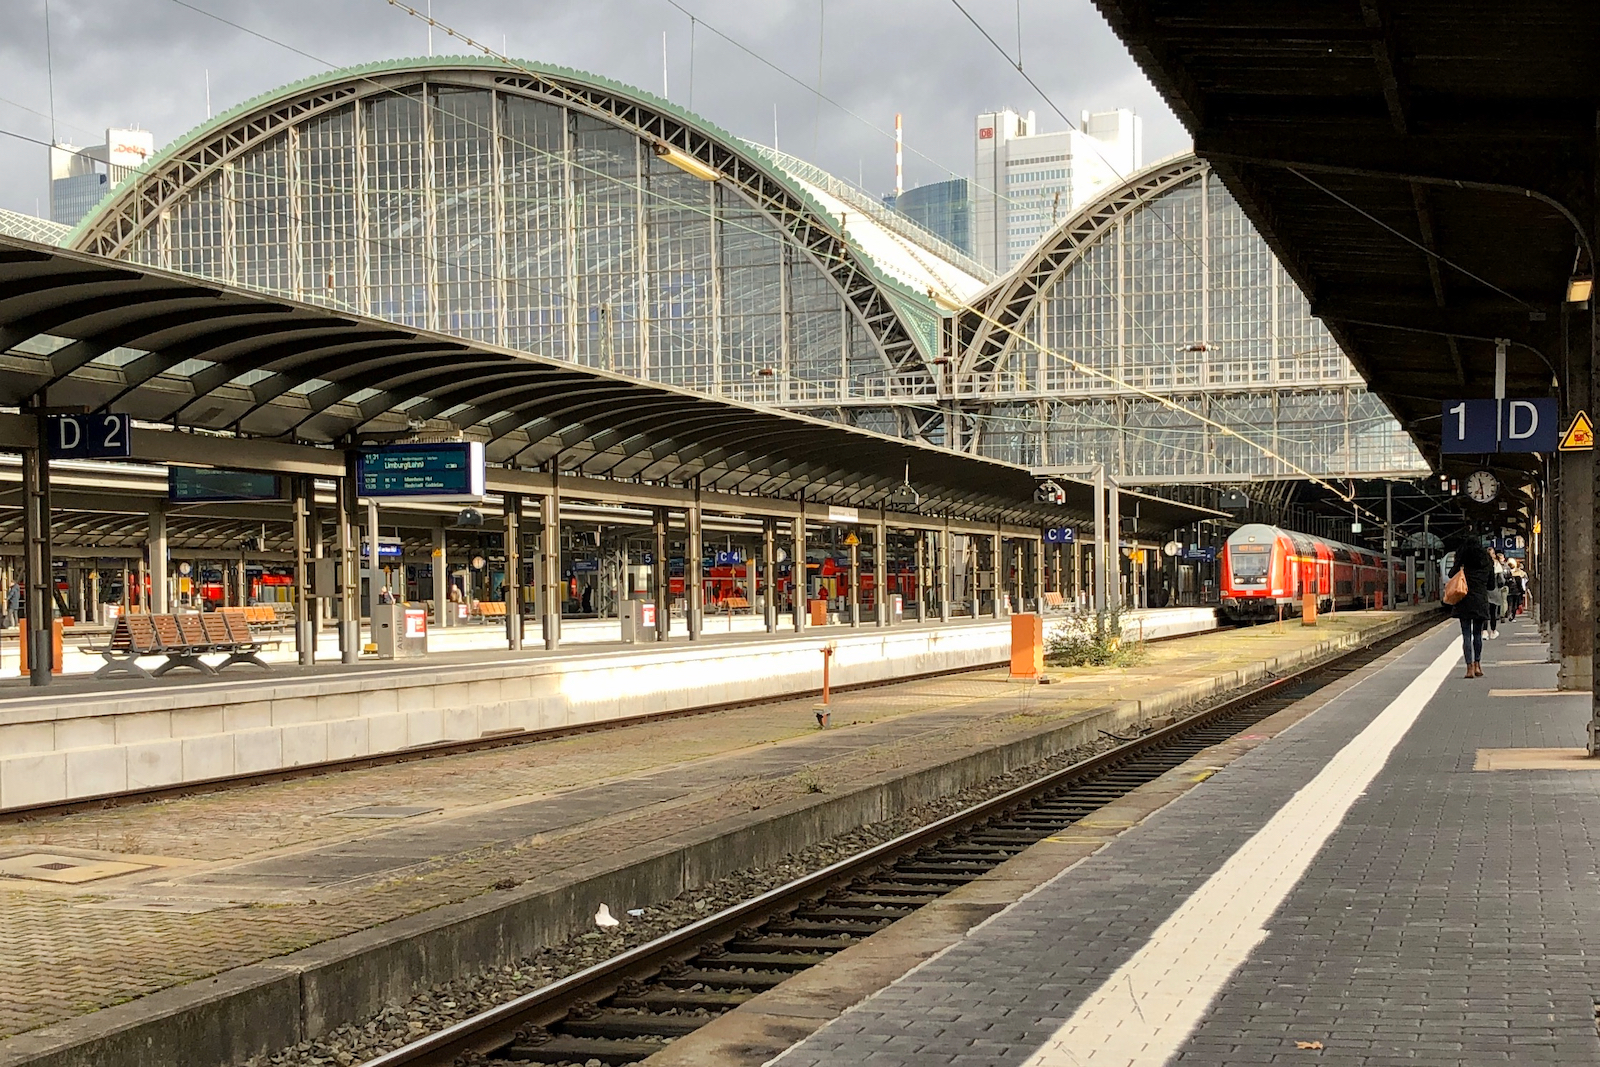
x=447, y=471
x=190, y=484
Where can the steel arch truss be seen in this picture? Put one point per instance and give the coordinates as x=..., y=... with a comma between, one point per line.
x=142, y=202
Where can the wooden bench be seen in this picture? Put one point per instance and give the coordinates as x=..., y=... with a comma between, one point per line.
x=182, y=639
x=730, y=604
x=1055, y=601
x=491, y=609
x=133, y=636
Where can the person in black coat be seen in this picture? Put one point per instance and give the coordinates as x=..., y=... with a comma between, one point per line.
x=1473, y=609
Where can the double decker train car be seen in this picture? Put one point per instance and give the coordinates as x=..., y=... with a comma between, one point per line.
x=1266, y=569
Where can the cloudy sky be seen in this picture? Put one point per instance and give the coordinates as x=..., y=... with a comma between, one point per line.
x=146, y=63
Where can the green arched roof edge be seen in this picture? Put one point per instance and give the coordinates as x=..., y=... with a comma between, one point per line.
x=897, y=289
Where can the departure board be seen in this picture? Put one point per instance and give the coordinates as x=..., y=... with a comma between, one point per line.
x=189, y=484
x=447, y=471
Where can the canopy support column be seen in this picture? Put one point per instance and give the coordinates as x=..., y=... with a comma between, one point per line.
x=550, y=565
x=661, y=576
x=305, y=638
x=769, y=589
x=512, y=585
x=349, y=585
x=880, y=572
x=37, y=561
x=797, y=571
x=694, y=588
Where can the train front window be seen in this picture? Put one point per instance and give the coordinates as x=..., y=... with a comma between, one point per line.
x=1250, y=564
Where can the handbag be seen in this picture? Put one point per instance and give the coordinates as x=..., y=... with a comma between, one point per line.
x=1455, y=590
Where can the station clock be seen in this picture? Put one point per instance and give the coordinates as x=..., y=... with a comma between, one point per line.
x=1482, y=486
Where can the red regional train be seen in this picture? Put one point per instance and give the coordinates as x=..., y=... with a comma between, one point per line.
x=1265, y=569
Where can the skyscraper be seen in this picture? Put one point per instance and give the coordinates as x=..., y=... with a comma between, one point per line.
x=942, y=208
x=80, y=177
x=1025, y=182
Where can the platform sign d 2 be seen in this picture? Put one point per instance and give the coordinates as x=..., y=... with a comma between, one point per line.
x=99, y=436
x=1516, y=424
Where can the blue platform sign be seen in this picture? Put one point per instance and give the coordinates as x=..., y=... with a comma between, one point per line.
x=98, y=436
x=1516, y=424
x=1061, y=535
x=1468, y=426
x=1530, y=425
x=449, y=471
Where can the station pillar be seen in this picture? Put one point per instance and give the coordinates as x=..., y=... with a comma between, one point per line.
x=349, y=562
x=769, y=572
x=550, y=564
x=999, y=572
x=922, y=576
x=855, y=583
x=305, y=638
x=942, y=572
x=797, y=571
x=694, y=587
x=660, y=575
x=441, y=577
x=159, y=603
x=880, y=573
x=1037, y=545
x=1575, y=634
x=37, y=549
x=511, y=586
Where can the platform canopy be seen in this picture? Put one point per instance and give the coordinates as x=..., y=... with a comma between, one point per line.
x=196, y=355
x=1423, y=170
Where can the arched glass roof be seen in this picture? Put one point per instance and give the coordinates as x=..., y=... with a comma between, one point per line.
x=539, y=208
x=1155, y=331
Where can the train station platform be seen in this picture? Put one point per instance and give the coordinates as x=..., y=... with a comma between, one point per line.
x=209, y=928
x=87, y=737
x=1403, y=873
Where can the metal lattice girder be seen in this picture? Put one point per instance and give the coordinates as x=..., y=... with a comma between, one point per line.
x=984, y=333
x=169, y=181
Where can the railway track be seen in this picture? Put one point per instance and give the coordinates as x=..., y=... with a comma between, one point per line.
x=627, y=1008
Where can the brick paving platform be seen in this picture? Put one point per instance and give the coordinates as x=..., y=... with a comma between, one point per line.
x=235, y=878
x=1351, y=891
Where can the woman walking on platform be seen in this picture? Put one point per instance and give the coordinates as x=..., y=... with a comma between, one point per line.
x=1472, y=559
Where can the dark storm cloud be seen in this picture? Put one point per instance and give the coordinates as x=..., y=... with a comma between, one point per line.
x=145, y=62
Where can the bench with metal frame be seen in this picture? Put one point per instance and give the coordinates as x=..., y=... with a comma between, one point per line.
x=182, y=639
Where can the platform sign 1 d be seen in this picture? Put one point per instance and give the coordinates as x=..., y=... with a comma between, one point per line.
x=1516, y=424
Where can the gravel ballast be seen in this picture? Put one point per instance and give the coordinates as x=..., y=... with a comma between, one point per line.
x=450, y=1002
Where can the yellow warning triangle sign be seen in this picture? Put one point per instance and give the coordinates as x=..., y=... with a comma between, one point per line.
x=1580, y=435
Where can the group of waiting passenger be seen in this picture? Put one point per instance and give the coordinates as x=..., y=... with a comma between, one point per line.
x=1496, y=588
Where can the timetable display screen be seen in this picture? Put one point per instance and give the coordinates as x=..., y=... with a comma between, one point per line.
x=449, y=471
x=190, y=484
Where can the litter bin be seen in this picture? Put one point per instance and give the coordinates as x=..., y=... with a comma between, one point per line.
x=638, y=621
x=897, y=609
x=400, y=631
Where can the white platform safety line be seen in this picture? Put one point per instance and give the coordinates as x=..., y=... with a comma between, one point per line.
x=1143, y=1013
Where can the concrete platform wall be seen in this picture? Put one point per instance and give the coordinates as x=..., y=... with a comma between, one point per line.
x=62, y=748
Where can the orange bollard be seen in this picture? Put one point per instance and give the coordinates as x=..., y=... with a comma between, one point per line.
x=1308, y=610
x=1027, y=646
